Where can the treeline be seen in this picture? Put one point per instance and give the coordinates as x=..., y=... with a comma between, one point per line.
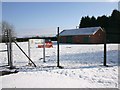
x=111, y=24
x=27, y=38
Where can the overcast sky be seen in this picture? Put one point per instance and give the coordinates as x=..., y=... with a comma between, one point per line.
x=43, y=18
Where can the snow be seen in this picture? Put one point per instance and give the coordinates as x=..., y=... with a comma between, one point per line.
x=43, y=80
x=83, y=67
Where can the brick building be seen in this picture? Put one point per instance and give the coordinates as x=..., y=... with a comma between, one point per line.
x=82, y=35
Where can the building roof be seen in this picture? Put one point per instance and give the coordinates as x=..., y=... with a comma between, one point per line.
x=80, y=31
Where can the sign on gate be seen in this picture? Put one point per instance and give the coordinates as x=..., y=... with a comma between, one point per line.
x=39, y=43
x=34, y=43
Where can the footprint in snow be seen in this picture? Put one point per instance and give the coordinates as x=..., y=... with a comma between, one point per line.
x=80, y=76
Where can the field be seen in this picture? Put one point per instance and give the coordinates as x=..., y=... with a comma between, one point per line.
x=83, y=67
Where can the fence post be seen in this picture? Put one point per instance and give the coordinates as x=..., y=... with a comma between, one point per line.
x=7, y=40
x=10, y=49
x=58, y=65
x=29, y=54
x=105, y=58
x=43, y=50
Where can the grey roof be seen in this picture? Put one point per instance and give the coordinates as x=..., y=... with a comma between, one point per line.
x=80, y=31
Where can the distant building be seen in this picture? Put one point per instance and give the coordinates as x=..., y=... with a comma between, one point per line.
x=82, y=35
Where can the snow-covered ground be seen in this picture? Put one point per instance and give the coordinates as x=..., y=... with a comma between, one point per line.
x=83, y=67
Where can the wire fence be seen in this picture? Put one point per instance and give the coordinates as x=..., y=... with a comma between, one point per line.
x=71, y=55
x=3, y=54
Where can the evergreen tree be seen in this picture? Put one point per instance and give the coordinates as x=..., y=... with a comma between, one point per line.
x=93, y=22
x=111, y=24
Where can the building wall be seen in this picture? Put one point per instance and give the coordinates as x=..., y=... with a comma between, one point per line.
x=80, y=39
x=63, y=39
x=98, y=37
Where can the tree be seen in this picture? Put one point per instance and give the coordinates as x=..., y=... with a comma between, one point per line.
x=82, y=22
x=85, y=22
x=6, y=27
x=93, y=21
x=110, y=23
x=102, y=21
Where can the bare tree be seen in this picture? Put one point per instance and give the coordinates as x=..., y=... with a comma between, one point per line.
x=6, y=27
